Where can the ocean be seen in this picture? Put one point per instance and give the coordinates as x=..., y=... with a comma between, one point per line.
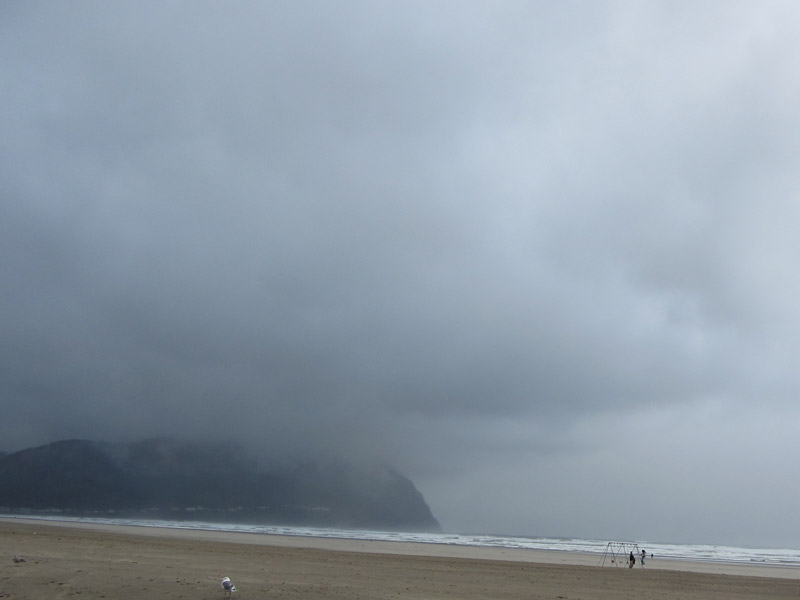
x=696, y=552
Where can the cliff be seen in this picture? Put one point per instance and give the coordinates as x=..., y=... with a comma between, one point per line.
x=168, y=479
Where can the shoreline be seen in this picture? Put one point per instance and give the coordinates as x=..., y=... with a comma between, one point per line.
x=420, y=549
x=63, y=560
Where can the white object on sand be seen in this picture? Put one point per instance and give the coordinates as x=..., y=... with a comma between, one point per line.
x=227, y=585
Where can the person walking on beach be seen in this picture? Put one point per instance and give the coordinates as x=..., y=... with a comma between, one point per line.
x=644, y=554
x=631, y=560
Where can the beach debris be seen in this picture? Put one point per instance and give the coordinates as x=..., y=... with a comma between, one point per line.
x=18, y=559
x=227, y=585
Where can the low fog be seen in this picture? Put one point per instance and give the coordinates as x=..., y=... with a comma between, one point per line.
x=540, y=256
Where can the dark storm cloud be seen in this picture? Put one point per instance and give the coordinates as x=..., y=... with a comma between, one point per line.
x=501, y=245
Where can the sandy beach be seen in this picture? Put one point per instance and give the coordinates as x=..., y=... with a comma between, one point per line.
x=71, y=560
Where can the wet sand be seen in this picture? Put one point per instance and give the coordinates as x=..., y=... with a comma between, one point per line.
x=75, y=560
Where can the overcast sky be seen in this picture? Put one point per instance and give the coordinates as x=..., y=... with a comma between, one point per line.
x=542, y=256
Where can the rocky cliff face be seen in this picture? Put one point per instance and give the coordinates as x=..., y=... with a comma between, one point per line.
x=178, y=480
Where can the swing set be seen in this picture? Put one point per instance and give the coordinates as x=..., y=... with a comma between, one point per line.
x=617, y=554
